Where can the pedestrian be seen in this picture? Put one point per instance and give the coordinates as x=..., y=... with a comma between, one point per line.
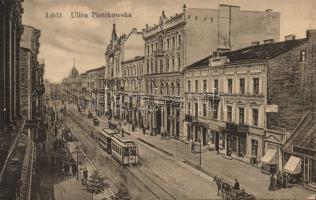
x=272, y=183
x=278, y=180
x=61, y=166
x=66, y=169
x=284, y=183
x=236, y=185
x=144, y=130
x=193, y=147
x=85, y=175
x=74, y=169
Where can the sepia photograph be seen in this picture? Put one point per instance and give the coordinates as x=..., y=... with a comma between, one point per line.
x=157, y=99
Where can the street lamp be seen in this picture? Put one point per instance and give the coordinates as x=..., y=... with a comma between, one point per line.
x=77, y=150
x=4, y=110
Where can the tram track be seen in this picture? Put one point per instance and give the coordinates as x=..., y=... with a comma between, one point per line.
x=149, y=183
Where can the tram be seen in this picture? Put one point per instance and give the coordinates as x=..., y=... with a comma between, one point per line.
x=124, y=150
x=105, y=139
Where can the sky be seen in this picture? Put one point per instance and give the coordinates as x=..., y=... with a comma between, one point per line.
x=83, y=41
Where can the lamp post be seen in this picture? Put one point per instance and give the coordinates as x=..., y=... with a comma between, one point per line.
x=77, y=149
x=4, y=110
x=200, y=147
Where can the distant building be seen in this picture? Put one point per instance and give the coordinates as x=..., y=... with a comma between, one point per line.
x=95, y=90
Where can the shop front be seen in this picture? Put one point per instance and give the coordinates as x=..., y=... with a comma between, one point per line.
x=236, y=139
x=301, y=164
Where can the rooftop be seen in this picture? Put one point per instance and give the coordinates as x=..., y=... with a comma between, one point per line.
x=253, y=53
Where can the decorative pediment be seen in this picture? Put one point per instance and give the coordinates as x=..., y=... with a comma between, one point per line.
x=255, y=104
x=228, y=101
x=273, y=138
x=241, y=103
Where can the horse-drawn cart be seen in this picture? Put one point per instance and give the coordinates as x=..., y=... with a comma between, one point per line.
x=229, y=193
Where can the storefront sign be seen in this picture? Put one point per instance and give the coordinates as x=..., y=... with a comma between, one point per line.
x=302, y=150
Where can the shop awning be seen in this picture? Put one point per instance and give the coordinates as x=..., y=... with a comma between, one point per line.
x=293, y=165
x=270, y=157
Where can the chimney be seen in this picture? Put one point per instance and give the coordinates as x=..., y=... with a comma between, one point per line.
x=256, y=43
x=310, y=33
x=269, y=41
x=289, y=37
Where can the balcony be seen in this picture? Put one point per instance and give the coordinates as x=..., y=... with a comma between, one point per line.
x=233, y=128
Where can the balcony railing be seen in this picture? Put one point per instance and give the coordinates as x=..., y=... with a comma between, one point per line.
x=232, y=127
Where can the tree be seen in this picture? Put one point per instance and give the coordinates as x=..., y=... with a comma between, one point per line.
x=96, y=184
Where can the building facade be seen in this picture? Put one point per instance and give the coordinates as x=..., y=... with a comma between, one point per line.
x=119, y=50
x=95, y=90
x=234, y=103
x=180, y=40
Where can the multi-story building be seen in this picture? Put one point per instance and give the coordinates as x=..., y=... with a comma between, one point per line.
x=132, y=81
x=70, y=86
x=29, y=62
x=16, y=148
x=120, y=49
x=95, y=89
x=83, y=90
x=182, y=39
x=233, y=99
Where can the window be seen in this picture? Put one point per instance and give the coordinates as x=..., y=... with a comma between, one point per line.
x=230, y=86
x=255, y=117
x=234, y=144
x=168, y=43
x=179, y=63
x=303, y=56
x=242, y=85
x=156, y=66
x=196, y=85
x=189, y=108
x=254, y=147
x=173, y=42
x=172, y=63
x=151, y=67
x=161, y=66
x=147, y=68
x=229, y=113
x=241, y=115
x=167, y=64
x=204, y=85
x=189, y=86
x=242, y=147
x=179, y=40
x=215, y=89
x=215, y=108
x=204, y=109
x=256, y=85
x=196, y=109
x=148, y=49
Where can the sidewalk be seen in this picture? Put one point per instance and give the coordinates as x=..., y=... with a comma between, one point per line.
x=250, y=178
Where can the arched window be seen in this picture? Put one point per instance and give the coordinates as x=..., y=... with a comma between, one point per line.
x=162, y=88
x=172, y=88
x=178, y=88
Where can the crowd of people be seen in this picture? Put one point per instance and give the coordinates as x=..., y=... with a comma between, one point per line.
x=278, y=180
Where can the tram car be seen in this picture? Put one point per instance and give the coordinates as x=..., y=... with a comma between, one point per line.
x=105, y=139
x=124, y=150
